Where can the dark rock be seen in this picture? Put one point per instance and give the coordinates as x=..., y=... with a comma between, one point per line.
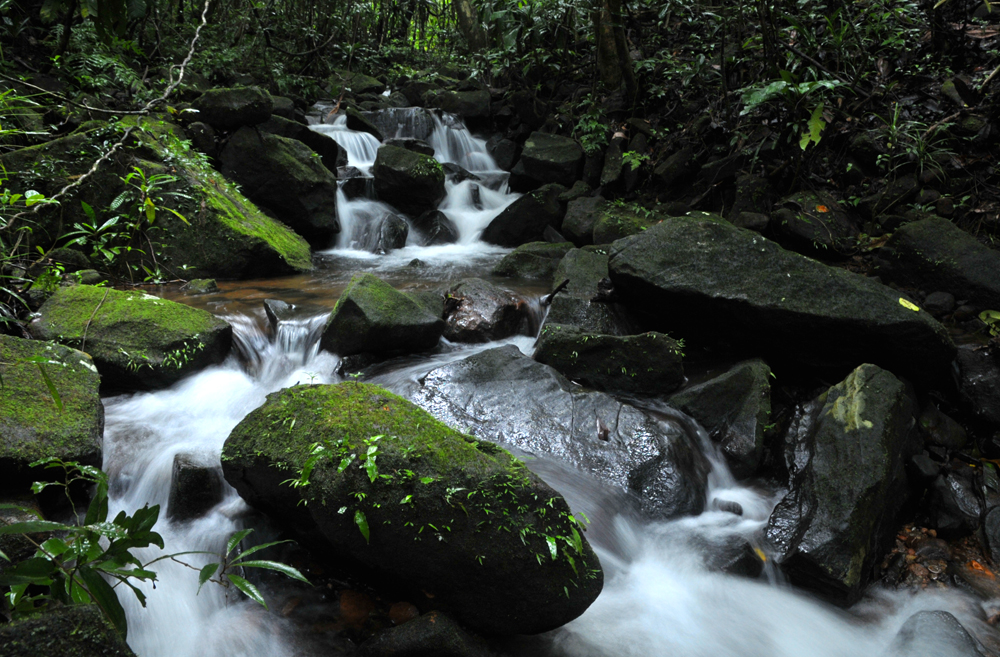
x=195, y=487
x=228, y=109
x=480, y=509
x=282, y=175
x=753, y=194
x=285, y=108
x=372, y=317
x=991, y=529
x=67, y=260
x=431, y=635
x=276, y=312
x=955, y=508
x=357, y=121
x=979, y=383
x=467, y=104
x=845, y=459
x=388, y=233
x=548, y=159
x=579, y=189
x=934, y=253
x=200, y=286
x=675, y=166
x=203, y=138
x=932, y=634
x=478, y=311
x=65, y=631
x=621, y=220
x=939, y=429
x=414, y=92
x=436, y=227
x=502, y=396
x=925, y=469
x=534, y=260
x=137, y=341
x=410, y=144
x=611, y=173
x=578, y=305
x=553, y=236
x=738, y=558
x=503, y=151
x=529, y=108
x=525, y=219
x=939, y=303
x=581, y=217
x=814, y=223
x=818, y=314
x=357, y=83
x=457, y=174
x=409, y=181
x=896, y=195
x=329, y=151
x=752, y=221
x=734, y=408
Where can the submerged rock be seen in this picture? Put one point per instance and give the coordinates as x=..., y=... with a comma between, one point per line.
x=66, y=631
x=845, y=458
x=433, y=634
x=526, y=219
x=456, y=517
x=478, y=311
x=933, y=634
x=408, y=181
x=138, y=341
x=195, y=487
x=436, y=227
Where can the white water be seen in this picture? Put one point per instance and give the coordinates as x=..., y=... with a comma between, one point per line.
x=659, y=597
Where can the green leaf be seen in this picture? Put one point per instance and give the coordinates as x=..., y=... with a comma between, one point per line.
x=553, y=547
x=235, y=539
x=816, y=125
x=106, y=598
x=282, y=568
x=257, y=548
x=52, y=388
x=249, y=589
x=33, y=526
x=36, y=570
x=362, y=522
x=206, y=574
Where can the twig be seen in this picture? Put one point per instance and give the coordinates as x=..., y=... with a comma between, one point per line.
x=932, y=128
x=83, y=345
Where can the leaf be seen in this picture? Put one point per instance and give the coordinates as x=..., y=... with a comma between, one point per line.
x=553, y=547
x=179, y=215
x=36, y=570
x=106, y=598
x=235, y=539
x=56, y=399
x=282, y=568
x=362, y=522
x=816, y=124
x=909, y=304
x=257, y=548
x=249, y=589
x=33, y=526
x=89, y=211
x=206, y=574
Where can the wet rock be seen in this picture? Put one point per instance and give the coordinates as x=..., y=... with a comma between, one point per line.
x=814, y=223
x=431, y=635
x=457, y=174
x=935, y=253
x=283, y=175
x=817, y=314
x=644, y=364
x=195, y=487
x=932, y=634
x=736, y=556
x=228, y=109
x=408, y=181
x=924, y=469
x=410, y=144
x=372, y=317
x=415, y=91
x=991, y=530
x=503, y=151
x=75, y=630
x=137, y=341
x=581, y=217
x=478, y=311
x=436, y=227
x=17, y=507
x=200, y=286
x=939, y=303
x=580, y=305
x=845, y=459
x=357, y=83
x=389, y=232
x=955, y=507
x=733, y=408
x=330, y=152
x=35, y=425
x=276, y=312
x=979, y=383
x=467, y=104
x=359, y=122
x=939, y=429
x=621, y=220
x=547, y=159
x=525, y=219
x=534, y=260
x=502, y=396
x=480, y=509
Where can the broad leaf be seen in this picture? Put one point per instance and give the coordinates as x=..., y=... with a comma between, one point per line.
x=106, y=598
x=32, y=527
x=206, y=574
x=282, y=568
x=249, y=589
x=235, y=539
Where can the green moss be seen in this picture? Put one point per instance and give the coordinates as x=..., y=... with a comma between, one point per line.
x=621, y=220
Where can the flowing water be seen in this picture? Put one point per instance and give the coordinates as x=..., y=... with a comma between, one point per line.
x=660, y=598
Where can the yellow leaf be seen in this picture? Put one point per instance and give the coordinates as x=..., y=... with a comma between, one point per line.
x=760, y=554
x=908, y=304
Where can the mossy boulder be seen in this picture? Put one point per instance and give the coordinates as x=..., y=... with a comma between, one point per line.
x=330, y=152
x=847, y=483
x=409, y=181
x=75, y=631
x=34, y=423
x=579, y=304
x=534, y=260
x=231, y=108
x=526, y=219
x=358, y=83
x=467, y=104
x=371, y=317
x=582, y=215
x=138, y=341
x=709, y=278
x=545, y=159
x=456, y=517
x=620, y=220
x=645, y=364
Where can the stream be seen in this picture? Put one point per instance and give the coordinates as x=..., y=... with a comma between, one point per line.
x=659, y=598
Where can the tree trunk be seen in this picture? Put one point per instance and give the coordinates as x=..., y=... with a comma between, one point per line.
x=608, y=68
x=468, y=25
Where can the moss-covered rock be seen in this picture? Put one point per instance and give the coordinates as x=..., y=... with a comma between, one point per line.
x=138, y=341
x=357, y=83
x=233, y=108
x=526, y=219
x=581, y=217
x=409, y=181
x=459, y=518
x=329, y=151
x=467, y=104
x=579, y=305
x=546, y=159
x=34, y=424
x=76, y=631
x=534, y=260
x=620, y=220
x=371, y=317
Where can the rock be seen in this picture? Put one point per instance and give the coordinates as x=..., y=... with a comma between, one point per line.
x=502, y=396
x=17, y=507
x=433, y=634
x=195, y=487
x=329, y=151
x=547, y=159
x=534, y=260
x=360, y=123
x=372, y=317
x=621, y=220
x=979, y=383
x=896, y=195
x=410, y=182
x=939, y=304
x=752, y=221
x=578, y=306
x=436, y=227
x=454, y=516
x=285, y=108
x=284, y=176
x=611, y=173
x=357, y=83
x=503, y=151
x=931, y=634
x=845, y=458
x=33, y=423
x=137, y=341
x=954, y=507
x=70, y=631
x=478, y=311
x=814, y=223
x=457, y=174
x=733, y=408
x=531, y=110
x=229, y=109
x=200, y=286
x=388, y=233
x=753, y=195
x=67, y=260
x=934, y=253
x=675, y=167
x=276, y=312
x=645, y=364
x=415, y=91
x=939, y=429
x=525, y=219
x=467, y=104
x=581, y=217
x=991, y=529
x=817, y=314
x=579, y=189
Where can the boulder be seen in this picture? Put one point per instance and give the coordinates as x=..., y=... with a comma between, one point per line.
x=933, y=633
x=814, y=223
x=505, y=397
x=675, y=166
x=285, y=108
x=478, y=311
x=582, y=215
x=935, y=254
x=467, y=104
x=73, y=630
x=137, y=341
x=979, y=383
x=229, y=109
x=60, y=416
x=381, y=235
x=733, y=408
x=330, y=152
x=526, y=219
x=411, y=144
x=547, y=159
x=360, y=123
x=372, y=317
x=785, y=305
x=644, y=364
x=453, y=516
x=534, y=260
x=503, y=151
x=436, y=227
x=845, y=456
x=195, y=487
x=618, y=220
x=580, y=305
x=408, y=181
x=434, y=634
x=357, y=83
